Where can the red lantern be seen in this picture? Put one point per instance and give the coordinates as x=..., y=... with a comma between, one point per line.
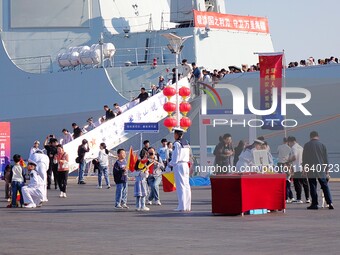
x=184, y=107
x=184, y=92
x=169, y=107
x=169, y=92
x=185, y=123
x=170, y=123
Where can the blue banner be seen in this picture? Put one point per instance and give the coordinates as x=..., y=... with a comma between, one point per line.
x=141, y=127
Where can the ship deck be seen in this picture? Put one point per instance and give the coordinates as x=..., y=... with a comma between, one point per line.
x=86, y=223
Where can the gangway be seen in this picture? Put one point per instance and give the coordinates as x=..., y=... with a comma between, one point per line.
x=112, y=131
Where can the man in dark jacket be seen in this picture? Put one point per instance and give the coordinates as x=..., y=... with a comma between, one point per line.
x=145, y=149
x=223, y=152
x=50, y=146
x=76, y=131
x=142, y=96
x=108, y=113
x=315, y=163
x=82, y=149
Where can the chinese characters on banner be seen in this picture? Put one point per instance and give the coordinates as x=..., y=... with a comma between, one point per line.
x=271, y=77
x=5, y=145
x=231, y=22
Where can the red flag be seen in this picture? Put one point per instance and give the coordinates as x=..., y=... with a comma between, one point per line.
x=132, y=159
x=151, y=168
x=271, y=77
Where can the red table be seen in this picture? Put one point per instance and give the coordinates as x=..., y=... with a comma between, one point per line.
x=238, y=193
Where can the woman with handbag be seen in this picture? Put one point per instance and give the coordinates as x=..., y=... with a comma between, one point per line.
x=63, y=168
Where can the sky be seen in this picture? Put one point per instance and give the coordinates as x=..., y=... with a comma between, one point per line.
x=303, y=28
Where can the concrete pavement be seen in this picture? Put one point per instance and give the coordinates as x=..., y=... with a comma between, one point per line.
x=87, y=223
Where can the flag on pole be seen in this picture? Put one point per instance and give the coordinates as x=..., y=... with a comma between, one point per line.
x=22, y=163
x=271, y=77
x=132, y=159
x=142, y=163
x=169, y=184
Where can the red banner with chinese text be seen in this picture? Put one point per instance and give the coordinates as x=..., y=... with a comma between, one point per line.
x=231, y=22
x=5, y=145
x=271, y=77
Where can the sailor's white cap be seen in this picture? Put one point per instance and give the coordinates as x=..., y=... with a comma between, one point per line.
x=178, y=129
x=31, y=162
x=258, y=141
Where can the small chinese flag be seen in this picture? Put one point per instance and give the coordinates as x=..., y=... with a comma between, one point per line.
x=132, y=159
x=151, y=168
x=22, y=163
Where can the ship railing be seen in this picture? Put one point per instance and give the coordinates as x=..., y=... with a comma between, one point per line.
x=142, y=56
x=38, y=64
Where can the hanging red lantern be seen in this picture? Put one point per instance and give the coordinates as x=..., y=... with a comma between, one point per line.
x=170, y=123
x=184, y=92
x=169, y=92
x=169, y=107
x=184, y=108
x=185, y=123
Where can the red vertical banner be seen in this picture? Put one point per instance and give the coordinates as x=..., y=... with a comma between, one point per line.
x=271, y=77
x=5, y=146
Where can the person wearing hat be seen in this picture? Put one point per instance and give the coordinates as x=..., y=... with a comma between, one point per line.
x=90, y=126
x=42, y=161
x=161, y=82
x=82, y=149
x=31, y=193
x=179, y=162
x=34, y=148
x=246, y=158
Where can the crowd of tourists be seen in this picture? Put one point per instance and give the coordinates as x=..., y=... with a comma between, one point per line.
x=51, y=166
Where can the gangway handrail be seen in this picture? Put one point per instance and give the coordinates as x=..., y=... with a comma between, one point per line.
x=112, y=131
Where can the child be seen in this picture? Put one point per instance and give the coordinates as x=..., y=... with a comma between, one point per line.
x=32, y=193
x=120, y=178
x=103, y=160
x=18, y=180
x=8, y=180
x=141, y=189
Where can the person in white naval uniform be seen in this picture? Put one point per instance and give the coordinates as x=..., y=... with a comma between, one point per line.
x=179, y=162
x=32, y=192
x=246, y=158
x=43, y=162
